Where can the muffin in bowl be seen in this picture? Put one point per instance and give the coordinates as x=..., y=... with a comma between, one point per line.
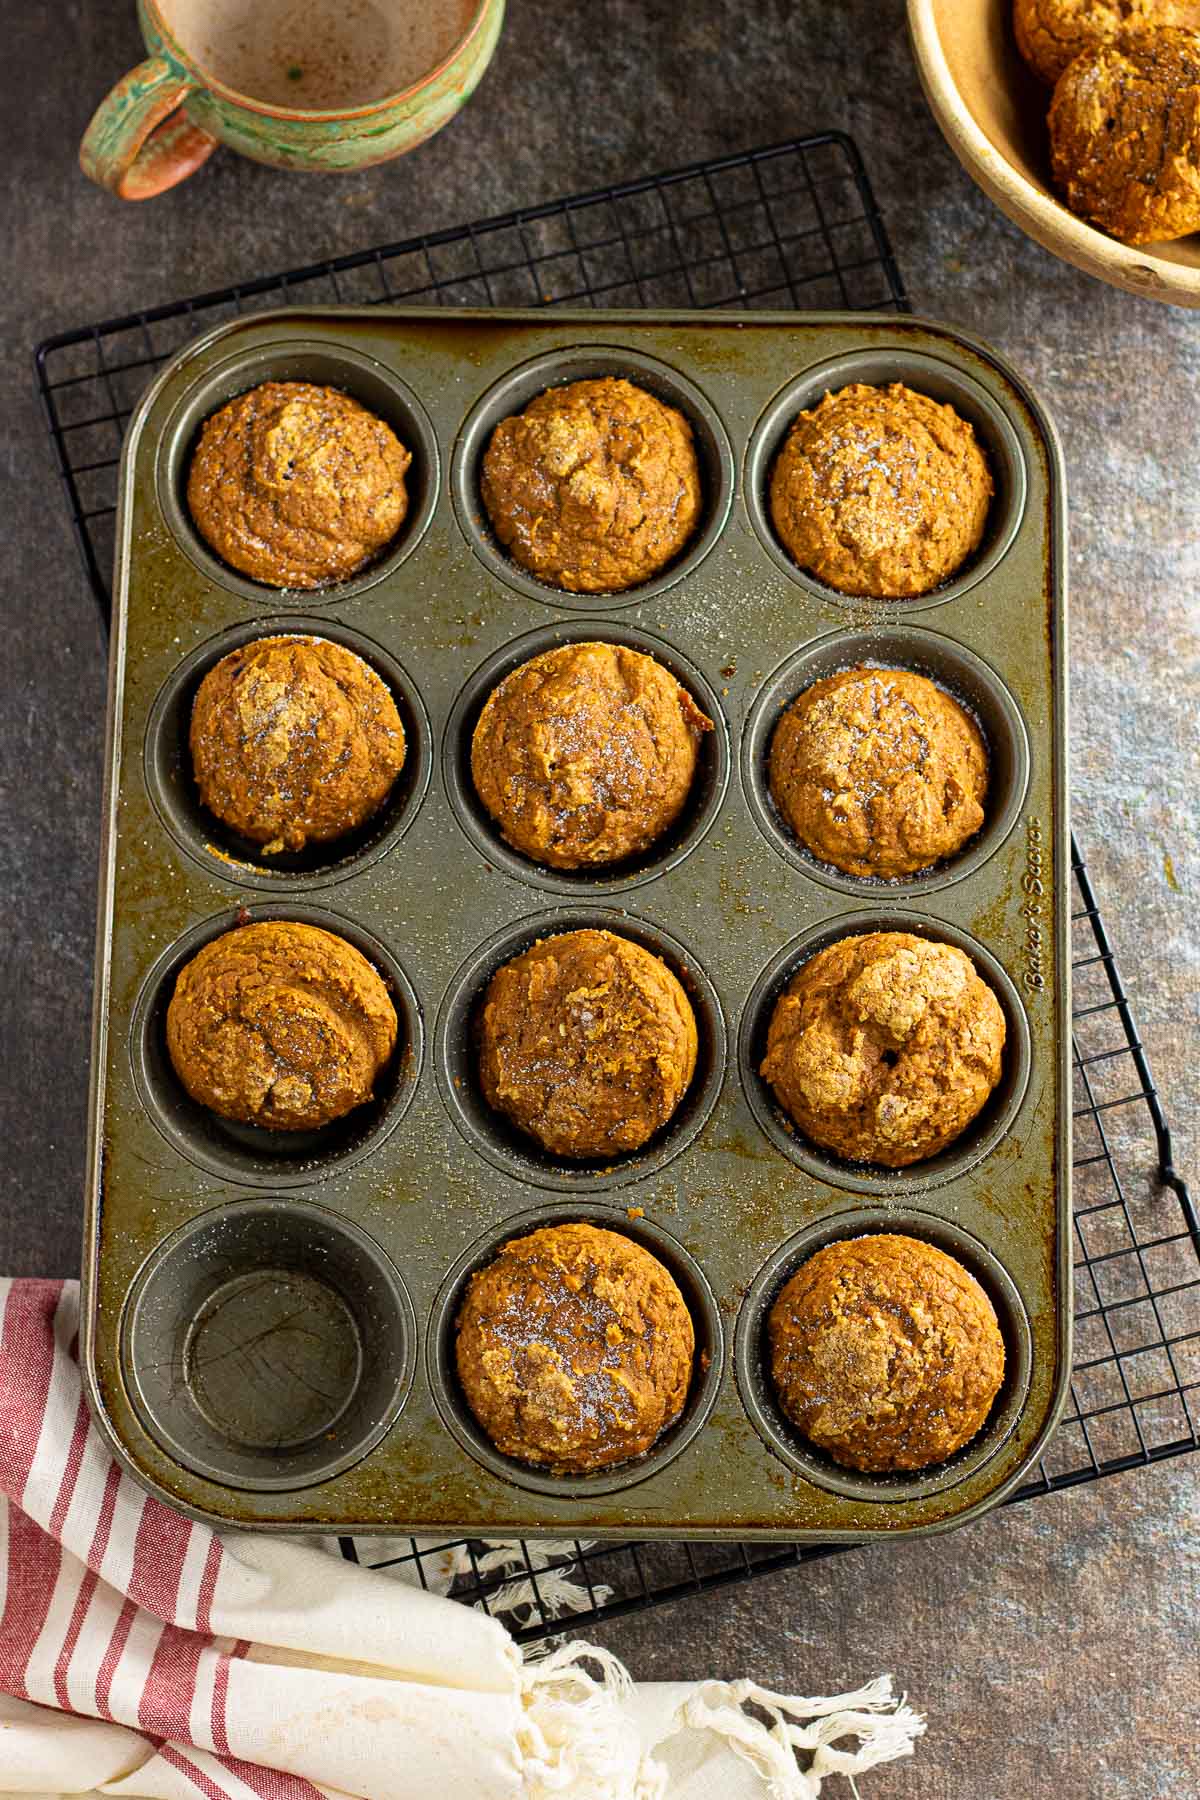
x=587, y=1043
x=595, y=487
x=880, y=491
x=574, y=1349
x=585, y=756
x=885, y=1353
x=1125, y=135
x=878, y=772
x=1050, y=34
x=296, y=485
x=883, y=1048
x=294, y=741
x=280, y=1024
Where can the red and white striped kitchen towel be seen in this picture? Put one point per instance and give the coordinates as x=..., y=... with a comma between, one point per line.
x=144, y=1655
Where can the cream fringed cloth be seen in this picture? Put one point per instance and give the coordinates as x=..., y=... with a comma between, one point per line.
x=144, y=1655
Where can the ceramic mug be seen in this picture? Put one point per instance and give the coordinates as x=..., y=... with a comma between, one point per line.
x=299, y=84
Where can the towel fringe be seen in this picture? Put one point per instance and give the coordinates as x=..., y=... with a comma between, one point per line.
x=885, y=1727
x=575, y=1736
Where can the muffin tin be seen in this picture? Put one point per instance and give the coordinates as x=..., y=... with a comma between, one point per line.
x=268, y=1320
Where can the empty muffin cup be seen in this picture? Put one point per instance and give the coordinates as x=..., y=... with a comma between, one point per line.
x=268, y=1345
x=493, y=1136
x=707, y=1367
x=558, y=368
x=978, y=1138
x=221, y=851
x=924, y=374
x=348, y=371
x=965, y=677
x=709, y=784
x=252, y=1155
x=752, y=1357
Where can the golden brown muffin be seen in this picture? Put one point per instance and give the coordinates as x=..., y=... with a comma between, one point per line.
x=586, y=754
x=1050, y=33
x=574, y=1348
x=879, y=772
x=880, y=491
x=1125, y=135
x=280, y=1024
x=884, y=1047
x=885, y=1352
x=587, y=1043
x=294, y=740
x=296, y=485
x=595, y=487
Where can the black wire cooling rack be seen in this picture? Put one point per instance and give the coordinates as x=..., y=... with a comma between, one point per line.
x=793, y=225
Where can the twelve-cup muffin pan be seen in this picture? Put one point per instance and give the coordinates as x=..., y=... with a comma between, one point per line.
x=269, y=1319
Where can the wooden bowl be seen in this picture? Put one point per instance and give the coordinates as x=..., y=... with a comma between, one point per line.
x=992, y=112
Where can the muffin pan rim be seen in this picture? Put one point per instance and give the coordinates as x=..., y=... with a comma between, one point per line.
x=293, y=1209
x=806, y=389
x=971, y=1146
x=802, y=329
x=455, y=1022
x=200, y=401
x=785, y=1439
x=414, y=775
x=778, y=691
x=535, y=376
x=672, y=1441
x=150, y=1062
x=582, y=884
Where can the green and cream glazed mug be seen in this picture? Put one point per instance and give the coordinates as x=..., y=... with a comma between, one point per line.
x=299, y=84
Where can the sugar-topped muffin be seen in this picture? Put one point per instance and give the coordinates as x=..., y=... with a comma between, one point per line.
x=586, y=754
x=587, y=1042
x=879, y=772
x=880, y=491
x=885, y=1352
x=294, y=740
x=296, y=485
x=574, y=1348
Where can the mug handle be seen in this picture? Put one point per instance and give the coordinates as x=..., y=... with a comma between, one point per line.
x=139, y=142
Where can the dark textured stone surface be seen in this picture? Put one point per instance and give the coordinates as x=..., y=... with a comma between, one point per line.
x=1053, y=1645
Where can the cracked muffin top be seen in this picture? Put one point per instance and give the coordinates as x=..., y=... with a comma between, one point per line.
x=595, y=487
x=574, y=1348
x=294, y=740
x=296, y=485
x=1051, y=33
x=587, y=1042
x=586, y=754
x=280, y=1024
x=884, y=1047
x=879, y=772
x=880, y=491
x=885, y=1352
x=1125, y=135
